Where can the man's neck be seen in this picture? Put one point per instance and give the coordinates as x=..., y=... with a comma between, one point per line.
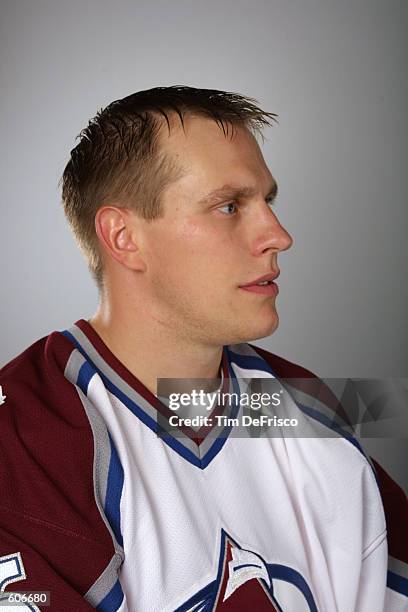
x=150, y=354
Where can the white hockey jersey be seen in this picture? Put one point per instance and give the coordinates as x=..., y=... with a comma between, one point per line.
x=188, y=523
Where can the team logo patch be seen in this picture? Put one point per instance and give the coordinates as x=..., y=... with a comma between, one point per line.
x=12, y=570
x=246, y=581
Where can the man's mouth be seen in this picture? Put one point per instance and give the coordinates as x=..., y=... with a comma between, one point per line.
x=263, y=285
x=263, y=281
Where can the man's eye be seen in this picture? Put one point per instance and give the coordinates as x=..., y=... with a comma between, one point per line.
x=228, y=209
x=231, y=208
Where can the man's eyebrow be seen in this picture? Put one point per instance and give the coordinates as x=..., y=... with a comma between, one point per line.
x=230, y=191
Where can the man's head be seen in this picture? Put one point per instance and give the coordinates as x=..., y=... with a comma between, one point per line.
x=119, y=158
x=140, y=194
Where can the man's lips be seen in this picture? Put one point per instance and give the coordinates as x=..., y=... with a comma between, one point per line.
x=268, y=288
x=266, y=277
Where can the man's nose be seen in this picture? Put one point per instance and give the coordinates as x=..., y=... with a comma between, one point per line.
x=270, y=234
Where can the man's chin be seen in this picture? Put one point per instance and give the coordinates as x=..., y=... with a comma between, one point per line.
x=256, y=332
x=265, y=331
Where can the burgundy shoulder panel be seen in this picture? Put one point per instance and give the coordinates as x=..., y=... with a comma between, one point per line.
x=48, y=511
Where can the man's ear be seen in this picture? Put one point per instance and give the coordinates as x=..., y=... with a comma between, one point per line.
x=116, y=229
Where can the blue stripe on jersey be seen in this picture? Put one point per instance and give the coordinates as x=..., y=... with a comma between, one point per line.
x=288, y=574
x=113, y=600
x=84, y=376
x=397, y=583
x=238, y=567
x=114, y=492
x=184, y=452
x=324, y=420
x=115, y=474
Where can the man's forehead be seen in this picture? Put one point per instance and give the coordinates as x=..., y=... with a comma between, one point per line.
x=218, y=164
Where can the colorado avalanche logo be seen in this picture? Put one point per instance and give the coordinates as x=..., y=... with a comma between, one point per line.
x=245, y=582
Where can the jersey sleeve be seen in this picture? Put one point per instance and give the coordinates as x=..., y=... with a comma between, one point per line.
x=33, y=558
x=53, y=537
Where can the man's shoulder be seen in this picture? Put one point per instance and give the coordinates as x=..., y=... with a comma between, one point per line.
x=54, y=348
x=35, y=392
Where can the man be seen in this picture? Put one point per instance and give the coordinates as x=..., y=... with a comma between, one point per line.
x=170, y=199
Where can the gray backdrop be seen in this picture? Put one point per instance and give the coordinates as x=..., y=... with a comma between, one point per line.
x=335, y=72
